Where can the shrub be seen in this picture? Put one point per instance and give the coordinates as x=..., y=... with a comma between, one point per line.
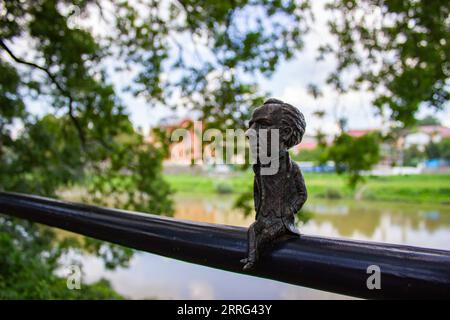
x=330, y=193
x=224, y=188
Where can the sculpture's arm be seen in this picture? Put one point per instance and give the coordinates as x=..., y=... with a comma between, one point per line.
x=301, y=191
x=256, y=194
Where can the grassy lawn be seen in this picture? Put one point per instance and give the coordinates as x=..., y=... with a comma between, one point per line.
x=414, y=188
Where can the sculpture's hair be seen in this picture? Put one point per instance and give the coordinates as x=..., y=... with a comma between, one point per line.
x=293, y=118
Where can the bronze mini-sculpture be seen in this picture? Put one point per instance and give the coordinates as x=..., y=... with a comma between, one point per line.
x=280, y=194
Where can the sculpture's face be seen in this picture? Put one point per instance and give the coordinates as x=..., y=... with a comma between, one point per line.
x=268, y=119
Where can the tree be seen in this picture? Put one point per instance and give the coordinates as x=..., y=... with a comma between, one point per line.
x=432, y=150
x=68, y=64
x=438, y=150
x=29, y=260
x=315, y=155
x=444, y=145
x=412, y=156
x=354, y=154
x=398, y=50
x=428, y=121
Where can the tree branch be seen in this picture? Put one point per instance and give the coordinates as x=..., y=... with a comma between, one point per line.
x=58, y=86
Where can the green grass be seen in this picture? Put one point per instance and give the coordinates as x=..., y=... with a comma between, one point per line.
x=203, y=184
x=414, y=188
x=433, y=189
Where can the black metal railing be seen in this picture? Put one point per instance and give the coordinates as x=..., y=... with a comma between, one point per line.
x=333, y=265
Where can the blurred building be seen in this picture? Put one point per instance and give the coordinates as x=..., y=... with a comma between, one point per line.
x=188, y=146
x=423, y=135
x=309, y=142
x=360, y=132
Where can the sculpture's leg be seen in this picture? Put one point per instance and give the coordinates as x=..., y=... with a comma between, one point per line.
x=259, y=242
x=250, y=242
x=259, y=239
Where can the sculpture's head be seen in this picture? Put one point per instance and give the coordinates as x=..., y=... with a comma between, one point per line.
x=275, y=114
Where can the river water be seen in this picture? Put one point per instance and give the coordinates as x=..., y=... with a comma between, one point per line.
x=150, y=276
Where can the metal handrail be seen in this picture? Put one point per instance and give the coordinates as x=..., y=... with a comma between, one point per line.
x=333, y=265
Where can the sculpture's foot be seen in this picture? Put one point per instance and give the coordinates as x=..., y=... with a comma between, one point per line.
x=244, y=261
x=248, y=266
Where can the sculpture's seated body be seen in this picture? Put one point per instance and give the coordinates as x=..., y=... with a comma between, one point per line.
x=279, y=194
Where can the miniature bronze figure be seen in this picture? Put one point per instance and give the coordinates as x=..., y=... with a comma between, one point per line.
x=278, y=195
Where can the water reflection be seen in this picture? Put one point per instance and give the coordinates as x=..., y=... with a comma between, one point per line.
x=413, y=224
x=417, y=225
x=152, y=276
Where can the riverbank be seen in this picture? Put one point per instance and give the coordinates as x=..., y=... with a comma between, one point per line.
x=432, y=189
